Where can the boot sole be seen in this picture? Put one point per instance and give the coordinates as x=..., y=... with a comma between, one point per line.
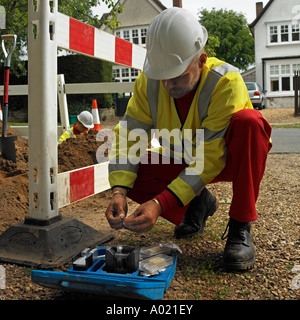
x=239, y=266
x=211, y=212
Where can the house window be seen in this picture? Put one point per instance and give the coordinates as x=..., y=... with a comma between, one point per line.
x=126, y=35
x=134, y=72
x=274, y=84
x=143, y=36
x=273, y=34
x=285, y=80
x=274, y=70
x=135, y=36
x=277, y=81
x=296, y=67
x=280, y=75
x=118, y=34
x=285, y=69
x=125, y=73
x=295, y=32
x=284, y=33
x=286, y=84
x=116, y=73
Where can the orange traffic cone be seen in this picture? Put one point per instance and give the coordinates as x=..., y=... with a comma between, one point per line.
x=97, y=125
x=1, y=118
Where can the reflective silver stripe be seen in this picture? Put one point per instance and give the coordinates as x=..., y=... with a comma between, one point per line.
x=122, y=166
x=211, y=81
x=210, y=135
x=224, y=68
x=72, y=135
x=134, y=123
x=152, y=95
x=193, y=180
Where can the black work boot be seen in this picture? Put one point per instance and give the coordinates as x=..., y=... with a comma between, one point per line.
x=200, y=208
x=239, y=253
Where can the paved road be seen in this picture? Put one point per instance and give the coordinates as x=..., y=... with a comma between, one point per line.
x=286, y=141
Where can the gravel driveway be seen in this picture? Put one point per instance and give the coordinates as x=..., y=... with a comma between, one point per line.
x=200, y=274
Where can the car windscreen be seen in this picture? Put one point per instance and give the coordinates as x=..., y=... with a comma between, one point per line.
x=250, y=86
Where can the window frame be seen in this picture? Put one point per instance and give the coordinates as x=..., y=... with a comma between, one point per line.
x=277, y=32
x=280, y=70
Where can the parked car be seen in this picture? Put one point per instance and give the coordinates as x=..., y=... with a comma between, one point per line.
x=257, y=95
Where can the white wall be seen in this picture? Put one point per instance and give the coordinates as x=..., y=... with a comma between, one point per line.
x=279, y=12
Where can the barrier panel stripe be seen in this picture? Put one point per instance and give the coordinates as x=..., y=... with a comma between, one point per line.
x=81, y=183
x=123, y=52
x=79, y=37
x=104, y=46
x=138, y=57
x=63, y=28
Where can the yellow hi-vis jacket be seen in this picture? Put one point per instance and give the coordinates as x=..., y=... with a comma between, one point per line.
x=220, y=93
x=66, y=135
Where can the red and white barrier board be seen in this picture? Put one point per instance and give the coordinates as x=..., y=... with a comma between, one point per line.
x=82, y=183
x=79, y=37
x=72, y=35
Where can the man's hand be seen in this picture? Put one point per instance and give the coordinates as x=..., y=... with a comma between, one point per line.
x=143, y=218
x=117, y=210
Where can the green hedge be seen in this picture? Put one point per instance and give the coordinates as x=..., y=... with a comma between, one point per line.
x=76, y=69
x=82, y=69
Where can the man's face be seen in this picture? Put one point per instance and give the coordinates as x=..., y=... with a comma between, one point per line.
x=188, y=80
x=80, y=127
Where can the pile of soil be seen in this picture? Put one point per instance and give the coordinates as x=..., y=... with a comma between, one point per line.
x=78, y=153
x=14, y=183
x=14, y=189
x=21, y=145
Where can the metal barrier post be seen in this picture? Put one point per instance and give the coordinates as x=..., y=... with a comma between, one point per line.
x=42, y=109
x=62, y=102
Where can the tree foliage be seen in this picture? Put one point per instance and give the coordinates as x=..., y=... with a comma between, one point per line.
x=236, y=44
x=212, y=43
x=17, y=20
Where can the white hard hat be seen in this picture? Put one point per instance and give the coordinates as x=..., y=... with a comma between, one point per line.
x=173, y=39
x=86, y=118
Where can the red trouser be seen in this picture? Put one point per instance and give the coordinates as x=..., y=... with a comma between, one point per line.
x=247, y=141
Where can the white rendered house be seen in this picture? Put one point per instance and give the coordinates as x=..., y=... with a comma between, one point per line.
x=276, y=31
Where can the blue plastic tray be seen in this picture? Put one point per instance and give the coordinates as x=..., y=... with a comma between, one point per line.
x=97, y=280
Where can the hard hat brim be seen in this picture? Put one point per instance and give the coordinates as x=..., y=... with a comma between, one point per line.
x=156, y=73
x=89, y=126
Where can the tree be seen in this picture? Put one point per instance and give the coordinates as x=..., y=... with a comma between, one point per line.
x=236, y=44
x=212, y=43
x=17, y=21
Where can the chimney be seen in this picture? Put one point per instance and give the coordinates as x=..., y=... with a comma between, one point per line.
x=259, y=8
x=177, y=3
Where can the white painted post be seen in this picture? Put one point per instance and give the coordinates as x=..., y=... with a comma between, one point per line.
x=62, y=103
x=42, y=109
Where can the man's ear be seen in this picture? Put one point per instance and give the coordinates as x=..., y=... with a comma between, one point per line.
x=202, y=60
